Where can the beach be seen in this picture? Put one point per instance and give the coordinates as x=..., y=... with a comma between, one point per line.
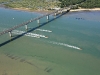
x=43, y=11
x=37, y=11
x=48, y=11
x=83, y=9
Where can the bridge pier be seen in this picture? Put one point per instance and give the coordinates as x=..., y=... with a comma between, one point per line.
x=55, y=14
x=38, y=21
x=26, y=27
x=61, y=11
x=10, y=34
x=48, y=17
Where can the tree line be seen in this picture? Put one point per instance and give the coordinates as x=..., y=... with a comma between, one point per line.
x=81, y=3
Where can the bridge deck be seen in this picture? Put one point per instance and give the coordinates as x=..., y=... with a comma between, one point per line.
x=25, y=23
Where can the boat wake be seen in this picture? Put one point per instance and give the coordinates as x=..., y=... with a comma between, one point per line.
x=44, y=30
x=29, y=34
x=63, y=44
x=43, y=36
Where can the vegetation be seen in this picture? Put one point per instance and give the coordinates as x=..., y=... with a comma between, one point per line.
x=3, y=0
x=49, y=4
x=81, y=3
x=90, y=4
x=32, y=4
x=64, y=3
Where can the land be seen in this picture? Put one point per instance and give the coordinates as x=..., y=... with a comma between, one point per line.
x=43, y=6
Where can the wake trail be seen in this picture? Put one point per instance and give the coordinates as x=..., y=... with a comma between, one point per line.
x=64, y=44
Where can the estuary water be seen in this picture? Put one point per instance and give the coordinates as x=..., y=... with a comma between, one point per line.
x=68, y=45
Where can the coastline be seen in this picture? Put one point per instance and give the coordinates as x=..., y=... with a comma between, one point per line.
x=84, y=9
x=43, y=11
x=48, y=11
x=37, y=11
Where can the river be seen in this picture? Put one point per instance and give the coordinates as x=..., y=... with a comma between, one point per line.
x=68, y=45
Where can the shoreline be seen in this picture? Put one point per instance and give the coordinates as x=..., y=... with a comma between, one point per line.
x=36, y=11
x=85, y=9
x=48, y=11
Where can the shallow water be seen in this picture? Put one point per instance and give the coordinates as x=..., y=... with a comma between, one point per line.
x=72, y=46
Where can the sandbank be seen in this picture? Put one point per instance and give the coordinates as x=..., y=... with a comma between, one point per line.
x=83, y=9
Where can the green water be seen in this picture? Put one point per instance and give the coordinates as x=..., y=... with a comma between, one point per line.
x=79, y=29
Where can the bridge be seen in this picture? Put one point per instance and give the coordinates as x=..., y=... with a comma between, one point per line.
x=55, y=13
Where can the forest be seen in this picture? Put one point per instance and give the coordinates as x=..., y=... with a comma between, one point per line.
x=81, y=3
x=91, y=4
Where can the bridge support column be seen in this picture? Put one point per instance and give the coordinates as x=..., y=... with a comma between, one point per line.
x=48, y=17
x=26, y=27
x=10, y=34
x=55, y=14
x=38, y=21
x=61, y=11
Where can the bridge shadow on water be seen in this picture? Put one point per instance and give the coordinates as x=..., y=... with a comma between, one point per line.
x=18, y=36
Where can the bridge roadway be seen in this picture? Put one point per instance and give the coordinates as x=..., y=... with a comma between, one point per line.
x=26, y=23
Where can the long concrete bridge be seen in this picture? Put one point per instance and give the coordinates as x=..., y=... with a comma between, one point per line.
x=55, y=13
